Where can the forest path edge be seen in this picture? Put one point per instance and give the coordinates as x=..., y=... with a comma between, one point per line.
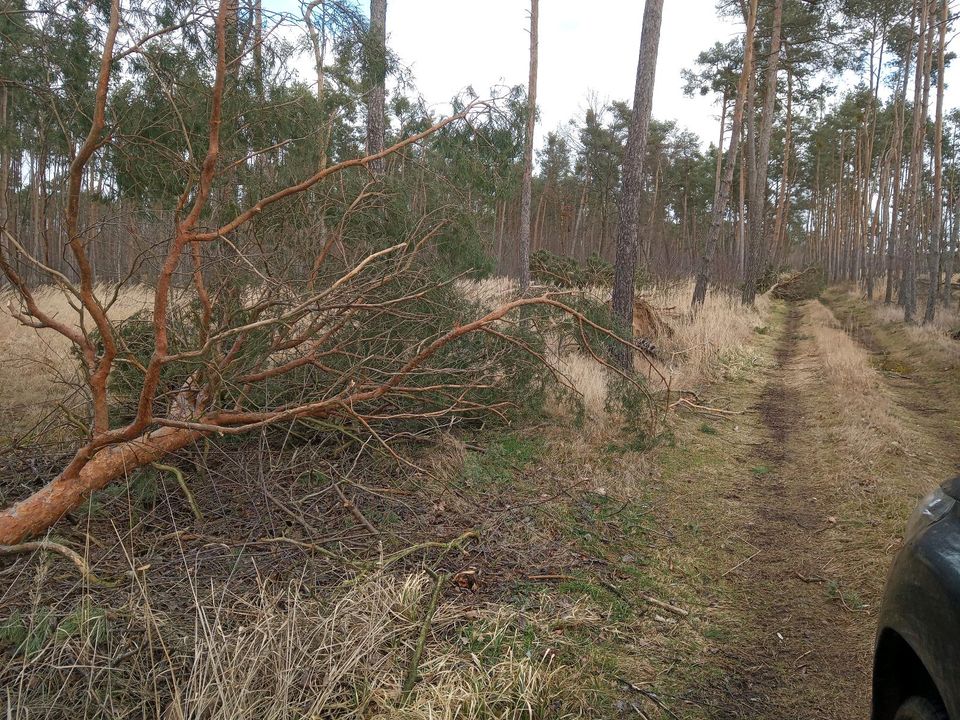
x=793, y=527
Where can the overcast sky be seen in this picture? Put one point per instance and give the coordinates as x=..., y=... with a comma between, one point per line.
x=584, y=47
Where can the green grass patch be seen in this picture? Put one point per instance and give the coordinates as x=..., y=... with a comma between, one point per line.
x=848, y=598
x=501, y=459
x=601, y=595
x=492, y=642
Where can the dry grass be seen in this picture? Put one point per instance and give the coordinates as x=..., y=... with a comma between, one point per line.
x=869, y=426
x=286, y=653
x=36, y=364
x=491, y=291
x=715, y=343
x=937, y=333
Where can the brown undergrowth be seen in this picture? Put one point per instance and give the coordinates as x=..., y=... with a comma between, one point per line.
x=296, y=577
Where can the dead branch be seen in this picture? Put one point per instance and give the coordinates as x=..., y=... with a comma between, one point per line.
x=355, y=511
x=414, y=665
x=71, y=555
x=184, y=488
x=664, y=605
x=429, y=545
x=703, y=408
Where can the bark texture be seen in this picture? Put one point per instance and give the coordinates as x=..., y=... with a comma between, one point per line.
x=625, y=267
x=376, y=99
x=526, y=189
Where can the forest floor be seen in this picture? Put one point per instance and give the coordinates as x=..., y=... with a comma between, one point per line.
x=795, y=506
x=729, y=568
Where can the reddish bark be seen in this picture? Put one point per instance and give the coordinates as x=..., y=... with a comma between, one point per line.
x=34, y=514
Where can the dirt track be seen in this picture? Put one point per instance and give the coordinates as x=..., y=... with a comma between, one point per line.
x=819, y=519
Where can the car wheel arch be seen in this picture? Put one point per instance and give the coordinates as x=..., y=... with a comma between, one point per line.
x=898, y=674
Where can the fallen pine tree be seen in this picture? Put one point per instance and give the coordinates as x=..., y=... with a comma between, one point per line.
x=804, y=285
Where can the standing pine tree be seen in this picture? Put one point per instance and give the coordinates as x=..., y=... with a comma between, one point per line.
x=377, y=93
x=625, y=268
x=723, y=194
x=758, y=175
x=526, y=189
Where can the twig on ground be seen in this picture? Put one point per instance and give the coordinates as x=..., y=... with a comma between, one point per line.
x=649, y=694
x=704, y=408
x=50, y=546
x=411, y=677
x=647, y=599
x=551, y=577
x=290, y=513
x=740, y=564
x=313, y=547
x=355, y=511
x=665, y=606
x=178, y=474
x=445, y=546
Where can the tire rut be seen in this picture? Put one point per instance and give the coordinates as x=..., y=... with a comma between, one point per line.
x=922, y=391
x=787, y=644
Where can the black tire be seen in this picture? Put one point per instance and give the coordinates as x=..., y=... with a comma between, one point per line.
x=921, y=708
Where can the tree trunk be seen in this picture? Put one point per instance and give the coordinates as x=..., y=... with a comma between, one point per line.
x=4, y=157
x=625, y=265
x=723, y=131
x=741, y=228
x=377, y=93
x=758, y=197
x=951, y=253
x=723, y=197
x=779, y=223
x=936, y=234
x=34, y=514
x=526, y=188
x=908, y=288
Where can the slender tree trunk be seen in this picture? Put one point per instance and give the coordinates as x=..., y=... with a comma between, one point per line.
x=741, y=228
x=526, y=188
x=908, y=288
x=894, y=229
x=4, y=158
x=749, y=160
x=377, y=94
x=723, y=129
x=897, y=217
x=936, y=234
x=948, y=265
x=723, y=197
x=758, y=196
x=779, y=223
x=625, y=265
